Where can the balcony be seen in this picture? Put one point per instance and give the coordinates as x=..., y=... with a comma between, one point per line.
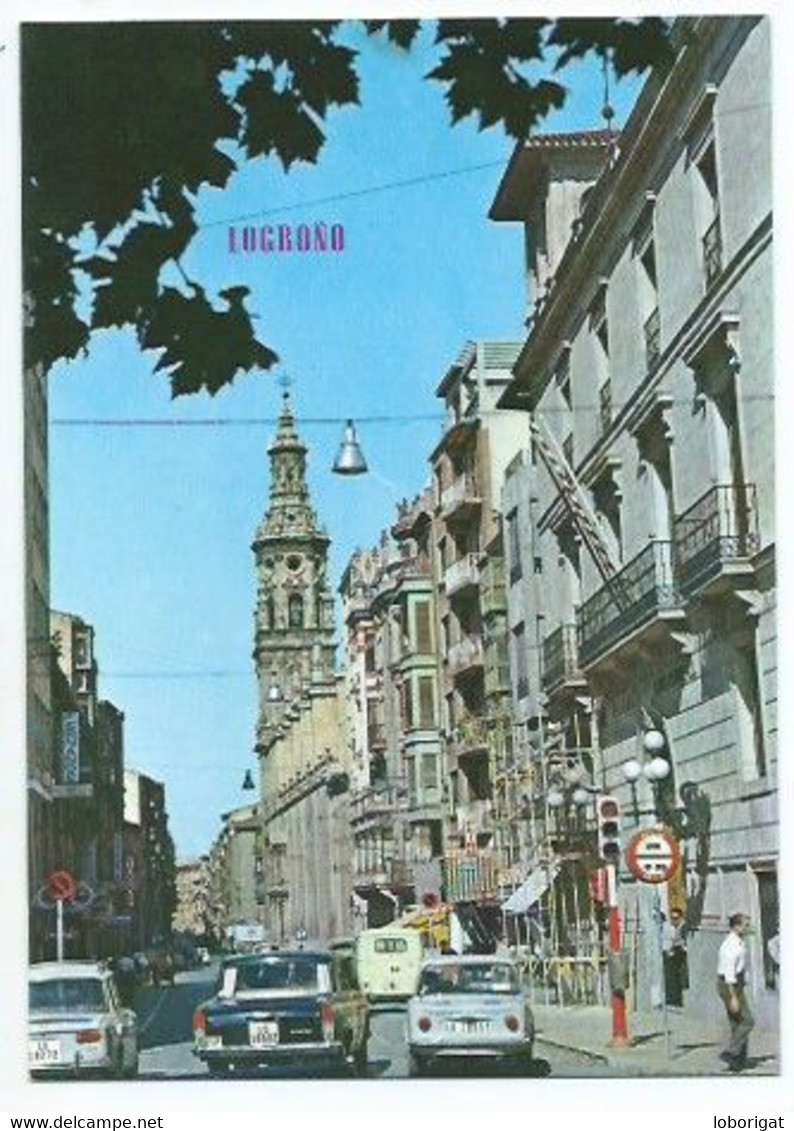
x=465, y=656
x=462, y=574
x=653, y=347
x=712, y=252
x=472, y=736
x=372, y=804
x=371, y=878
x=640, y=597
x=470, y=875
x=561, y=660
x=716, y=538
x=461, y=499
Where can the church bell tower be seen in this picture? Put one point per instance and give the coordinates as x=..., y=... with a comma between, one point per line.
x=294, y=619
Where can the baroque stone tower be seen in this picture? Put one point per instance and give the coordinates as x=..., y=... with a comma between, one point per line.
x=294, y=619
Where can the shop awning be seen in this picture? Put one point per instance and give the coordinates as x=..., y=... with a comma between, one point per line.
x=531, y=889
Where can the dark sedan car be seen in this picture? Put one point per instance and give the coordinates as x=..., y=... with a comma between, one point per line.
x=290, y=1010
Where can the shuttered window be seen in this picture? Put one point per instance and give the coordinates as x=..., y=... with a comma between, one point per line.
x=424, y=630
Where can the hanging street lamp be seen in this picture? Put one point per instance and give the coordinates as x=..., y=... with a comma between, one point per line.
x=350, y=458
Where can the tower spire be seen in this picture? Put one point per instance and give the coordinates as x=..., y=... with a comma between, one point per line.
x=294, y=619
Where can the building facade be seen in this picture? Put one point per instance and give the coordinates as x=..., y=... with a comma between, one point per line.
x=647, y=376
x=41, y=741
x=192, y=913
x=393, y=718
x=149, y=861
x=468, y=466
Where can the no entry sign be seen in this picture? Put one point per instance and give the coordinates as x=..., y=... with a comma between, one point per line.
x=61, y=885
x=653, y=856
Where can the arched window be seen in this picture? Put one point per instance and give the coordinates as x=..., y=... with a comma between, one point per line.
x=270, y=613
x=296, y=611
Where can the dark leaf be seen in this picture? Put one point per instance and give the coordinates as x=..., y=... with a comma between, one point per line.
x=401, y=33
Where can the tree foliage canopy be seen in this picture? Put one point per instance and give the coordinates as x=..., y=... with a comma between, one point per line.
x=124, y=123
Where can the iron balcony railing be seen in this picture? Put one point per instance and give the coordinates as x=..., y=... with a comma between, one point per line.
x=461, y=574
x=560, y=657
x=472, y=734
x=712, y=251
x=653, y=339
x=719, y=530
x=605, y=405
x=471, y=875
x=633, y=598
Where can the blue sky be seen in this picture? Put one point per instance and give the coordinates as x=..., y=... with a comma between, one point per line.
x=151, y=527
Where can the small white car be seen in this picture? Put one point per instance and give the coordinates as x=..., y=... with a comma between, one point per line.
x=77, y=1025
x=472, y=1006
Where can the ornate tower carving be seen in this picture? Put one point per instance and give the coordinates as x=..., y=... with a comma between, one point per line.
x=294, y=641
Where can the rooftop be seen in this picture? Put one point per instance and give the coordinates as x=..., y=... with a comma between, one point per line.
x=530, y=156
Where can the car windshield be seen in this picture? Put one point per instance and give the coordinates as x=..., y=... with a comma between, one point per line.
x=67, y=994
x=471, y=978
x=277, y=974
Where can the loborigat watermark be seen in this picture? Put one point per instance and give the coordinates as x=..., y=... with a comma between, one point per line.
x=279, y=239
x=748, y=1122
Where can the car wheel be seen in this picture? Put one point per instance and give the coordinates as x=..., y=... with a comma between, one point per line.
x=417, y=1065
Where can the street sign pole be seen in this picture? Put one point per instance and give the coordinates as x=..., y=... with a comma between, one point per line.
x=59, y=929
x=620, y=1030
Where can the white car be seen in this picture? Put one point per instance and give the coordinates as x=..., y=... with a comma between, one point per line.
x=472, y=1006
x=76, y=1023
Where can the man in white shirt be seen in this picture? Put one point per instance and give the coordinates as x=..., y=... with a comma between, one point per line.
x=731, y=976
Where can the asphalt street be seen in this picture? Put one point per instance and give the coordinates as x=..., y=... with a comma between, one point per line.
x=165, y=1016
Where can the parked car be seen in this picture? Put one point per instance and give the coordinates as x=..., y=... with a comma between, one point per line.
x=77, y=1024
x=470, y=1006
x=284, y=1009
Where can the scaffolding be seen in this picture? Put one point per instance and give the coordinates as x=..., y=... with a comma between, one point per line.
x=560, y=937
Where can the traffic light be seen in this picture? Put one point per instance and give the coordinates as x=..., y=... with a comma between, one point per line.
x=609, y=830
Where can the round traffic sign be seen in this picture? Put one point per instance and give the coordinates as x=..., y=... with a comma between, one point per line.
x=653, y=856
x=62, y=885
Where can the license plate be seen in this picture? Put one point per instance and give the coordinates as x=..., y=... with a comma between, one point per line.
x=468, y=1026
x=262, y=1034
x=44, y=1052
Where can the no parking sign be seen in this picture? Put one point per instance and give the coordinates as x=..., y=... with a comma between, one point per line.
x=653, y=855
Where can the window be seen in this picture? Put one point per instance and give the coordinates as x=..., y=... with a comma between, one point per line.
x=514, y=546
x=645, y=254
x=82, y=651
x=429, y=772
x=427, y=701
x=520, y=661
x=295, y=610
x=707, y=209
x=424, y=629
x=599, y=325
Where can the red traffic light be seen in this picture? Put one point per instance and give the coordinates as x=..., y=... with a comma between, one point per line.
x=608, y=807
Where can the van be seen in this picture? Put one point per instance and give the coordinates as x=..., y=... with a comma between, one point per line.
x=388, y=961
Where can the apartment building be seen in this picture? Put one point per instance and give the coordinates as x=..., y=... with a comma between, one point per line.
x=393, y=718
x=469, y=463
x=647, y=378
